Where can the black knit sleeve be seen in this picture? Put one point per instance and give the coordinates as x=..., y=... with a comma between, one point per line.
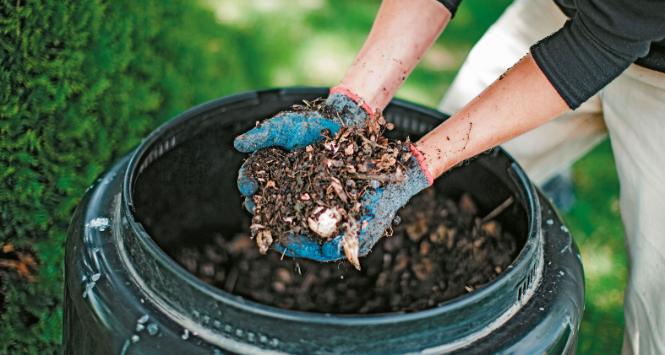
x=451, y=5
x=597, y=44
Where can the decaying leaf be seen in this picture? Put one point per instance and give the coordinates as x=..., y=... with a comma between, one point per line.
x=22, y=262
x=336, y=186
x=467, y=206
x=491, y=228
x=351, y=245
x=417, y=230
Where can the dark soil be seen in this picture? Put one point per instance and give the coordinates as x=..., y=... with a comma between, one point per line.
x=441, y=249
x=317, y=190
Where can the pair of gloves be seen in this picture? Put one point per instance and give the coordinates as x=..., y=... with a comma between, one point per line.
x=293, y=130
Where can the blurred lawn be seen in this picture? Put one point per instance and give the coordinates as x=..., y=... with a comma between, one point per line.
x=311, y=42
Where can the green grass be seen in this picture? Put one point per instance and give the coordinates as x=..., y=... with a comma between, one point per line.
x=596, y=225
x=254, y=44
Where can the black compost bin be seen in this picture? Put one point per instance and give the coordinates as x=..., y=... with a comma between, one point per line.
x=125, y=295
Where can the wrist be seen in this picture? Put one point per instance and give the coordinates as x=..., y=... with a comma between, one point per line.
x=354, y=97
x=437, y=160
x=422, y=164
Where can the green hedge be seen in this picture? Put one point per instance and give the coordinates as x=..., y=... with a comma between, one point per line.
x=81, y=83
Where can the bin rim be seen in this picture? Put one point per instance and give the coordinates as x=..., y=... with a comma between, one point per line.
x=518, y=266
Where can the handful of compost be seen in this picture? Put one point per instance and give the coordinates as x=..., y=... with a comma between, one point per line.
x=318, y=190
x=334, y=197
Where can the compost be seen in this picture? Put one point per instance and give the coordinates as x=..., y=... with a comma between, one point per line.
x=440, y=248
x=318, y=190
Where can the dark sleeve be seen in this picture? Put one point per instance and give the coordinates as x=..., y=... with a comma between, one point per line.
x=597, y=44
x=451, y=5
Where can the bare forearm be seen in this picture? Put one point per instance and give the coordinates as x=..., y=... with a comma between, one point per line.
x=517, y=102
x=402, y=32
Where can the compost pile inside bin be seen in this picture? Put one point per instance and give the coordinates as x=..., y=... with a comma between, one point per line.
x=318, y=190
x=441, y=248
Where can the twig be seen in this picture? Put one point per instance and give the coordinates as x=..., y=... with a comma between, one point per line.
x=374, y=144
x=230, y=283
x=497, y=211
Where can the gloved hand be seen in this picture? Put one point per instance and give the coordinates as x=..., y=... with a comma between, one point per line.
x=292, y=130
x=381, y=206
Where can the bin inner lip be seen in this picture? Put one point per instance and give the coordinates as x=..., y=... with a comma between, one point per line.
x=196, y=116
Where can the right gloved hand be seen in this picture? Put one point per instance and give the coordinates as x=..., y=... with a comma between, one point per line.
x=291, y=130
x=380, y=207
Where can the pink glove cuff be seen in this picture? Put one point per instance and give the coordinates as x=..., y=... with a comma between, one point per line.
x=354, y=97
x=423, y=165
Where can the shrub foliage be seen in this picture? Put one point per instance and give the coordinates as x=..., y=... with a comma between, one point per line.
x=80, y=83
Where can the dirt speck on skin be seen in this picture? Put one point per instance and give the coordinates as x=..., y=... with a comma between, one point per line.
x=441, y=248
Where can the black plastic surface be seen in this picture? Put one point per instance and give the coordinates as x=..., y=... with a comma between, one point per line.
x=125, y=275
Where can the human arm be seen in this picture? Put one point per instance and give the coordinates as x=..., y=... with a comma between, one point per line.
x=518, y=101
x=565, y=69
x=601, y=39
x=387, y=57
x=402, y=32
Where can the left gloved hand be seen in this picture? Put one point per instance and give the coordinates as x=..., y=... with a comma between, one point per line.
x=298, y=129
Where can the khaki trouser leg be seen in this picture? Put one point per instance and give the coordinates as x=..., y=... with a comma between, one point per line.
x=547, y=150
x=634, y=110
x=633, y=107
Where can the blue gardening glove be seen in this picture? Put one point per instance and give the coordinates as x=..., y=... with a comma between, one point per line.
x=292, y=130
x=381, y=206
